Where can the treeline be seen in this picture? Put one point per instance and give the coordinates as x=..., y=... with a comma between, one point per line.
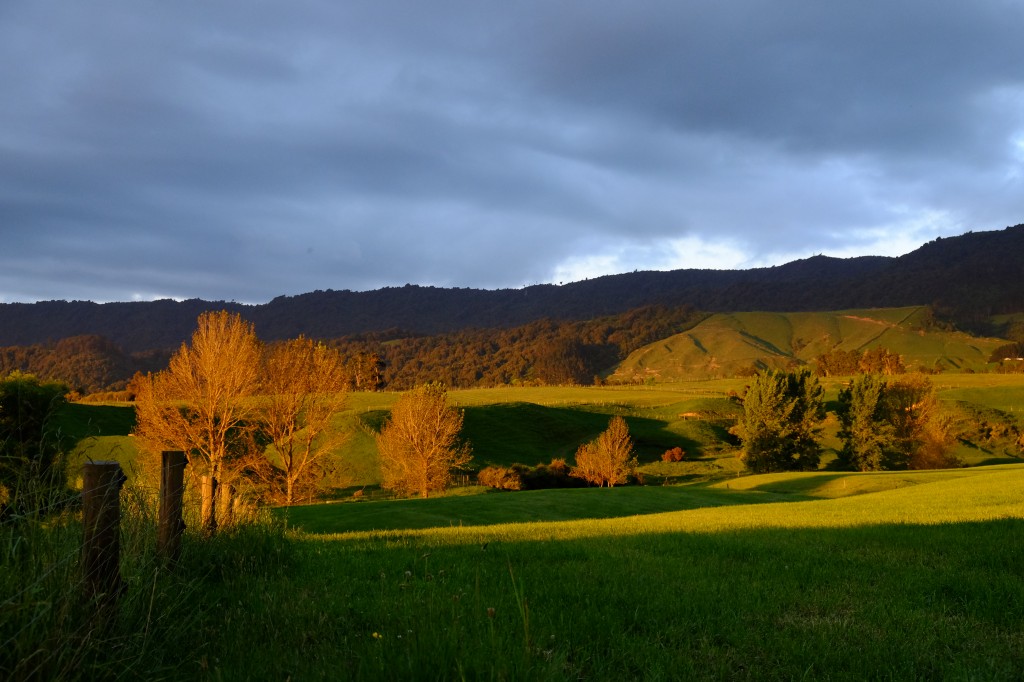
x=87, y=364
x=841, y=363
x=542, y=352
x=546, y=352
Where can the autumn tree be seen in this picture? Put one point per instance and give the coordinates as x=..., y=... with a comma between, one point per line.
x=892, y=425
x=881, y=360
x=419, y=444
x=305, y=389
x=782, y=413
x=607, y=460
x=201, y=404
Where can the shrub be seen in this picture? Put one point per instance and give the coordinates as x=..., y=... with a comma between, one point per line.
x=676, y=454
x=501, y=478
x=556, y=474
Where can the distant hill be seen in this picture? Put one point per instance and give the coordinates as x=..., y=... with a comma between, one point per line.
x=967, y=278
x=729, y=343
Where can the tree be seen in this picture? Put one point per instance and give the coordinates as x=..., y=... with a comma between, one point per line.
x=31, y=466
x=608, y=459
x=782, y=413
x=881, y=360
x=305, y=387
x=202, y=404
x=922, y=434
x=892, y=425
x=865, y=430
x=419, y=444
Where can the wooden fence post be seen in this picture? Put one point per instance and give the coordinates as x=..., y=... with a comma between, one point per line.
x=172, y=487
x=101, y=532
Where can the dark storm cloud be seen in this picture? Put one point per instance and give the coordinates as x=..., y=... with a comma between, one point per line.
x=246, y=150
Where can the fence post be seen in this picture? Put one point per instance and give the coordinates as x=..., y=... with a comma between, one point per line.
x=172, y=486
x=101, y=532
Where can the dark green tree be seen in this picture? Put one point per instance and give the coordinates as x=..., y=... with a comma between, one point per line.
x=866, y=430
x=31, y=467
x=782, y=413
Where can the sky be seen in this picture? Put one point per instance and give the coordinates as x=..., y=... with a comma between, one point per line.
x=246, y=150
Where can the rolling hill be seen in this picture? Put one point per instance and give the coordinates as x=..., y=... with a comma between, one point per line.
x=729, y=343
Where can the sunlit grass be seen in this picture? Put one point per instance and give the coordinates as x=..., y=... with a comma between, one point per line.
x=914, y=576
x=927, y=498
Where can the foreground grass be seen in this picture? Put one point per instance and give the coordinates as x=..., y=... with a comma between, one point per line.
x=923, y=580
x=912, y=577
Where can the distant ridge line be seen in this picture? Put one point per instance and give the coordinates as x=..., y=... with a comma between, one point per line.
x=974, y=275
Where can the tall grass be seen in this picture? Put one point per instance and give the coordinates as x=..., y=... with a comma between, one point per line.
x=49, y=629
x=921, y=580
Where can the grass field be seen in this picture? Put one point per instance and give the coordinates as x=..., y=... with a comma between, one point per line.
x=823, y=575
x=534, y=425
x=881, y=577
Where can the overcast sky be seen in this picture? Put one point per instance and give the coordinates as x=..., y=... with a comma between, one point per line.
x=245, y=150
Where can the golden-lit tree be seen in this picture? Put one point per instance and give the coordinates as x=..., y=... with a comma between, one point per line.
x=304, y=386
x=419, y=444
x=608, y=460
x=202, y=403
x=893, y=425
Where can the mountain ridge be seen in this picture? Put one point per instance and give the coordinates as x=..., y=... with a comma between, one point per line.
x=967, y=278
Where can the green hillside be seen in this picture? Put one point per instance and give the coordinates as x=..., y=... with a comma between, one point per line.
x=731, y=343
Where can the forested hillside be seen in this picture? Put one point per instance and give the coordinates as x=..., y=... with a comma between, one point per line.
x=966, y=279
x=541, y=352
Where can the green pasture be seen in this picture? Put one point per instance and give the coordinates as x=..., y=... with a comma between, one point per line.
x=532, y=425
x=783, y=577
x=727, y=343
x=714, y=576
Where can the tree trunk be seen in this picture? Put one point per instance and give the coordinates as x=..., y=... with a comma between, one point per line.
x=225, y=509
x=209, y=508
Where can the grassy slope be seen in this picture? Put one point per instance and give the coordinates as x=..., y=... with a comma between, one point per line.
x=1002, y=484
x=533, y=425
x=916, y=580
x=728, y=342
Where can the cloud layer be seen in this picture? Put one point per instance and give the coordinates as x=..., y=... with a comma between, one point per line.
x=243, y=151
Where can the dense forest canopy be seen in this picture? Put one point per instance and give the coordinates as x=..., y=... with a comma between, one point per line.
x=542, y=352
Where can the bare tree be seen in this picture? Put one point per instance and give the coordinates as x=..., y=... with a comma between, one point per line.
x=201, y=404
x=304, y=383
x=419, y=445
x=608, y=460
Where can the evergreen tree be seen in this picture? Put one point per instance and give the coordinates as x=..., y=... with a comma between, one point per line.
x=782, y=413
x=866, y=431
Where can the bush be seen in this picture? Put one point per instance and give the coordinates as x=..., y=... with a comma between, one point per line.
x=501, y=478
x=556, y=474
x=676, y=454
